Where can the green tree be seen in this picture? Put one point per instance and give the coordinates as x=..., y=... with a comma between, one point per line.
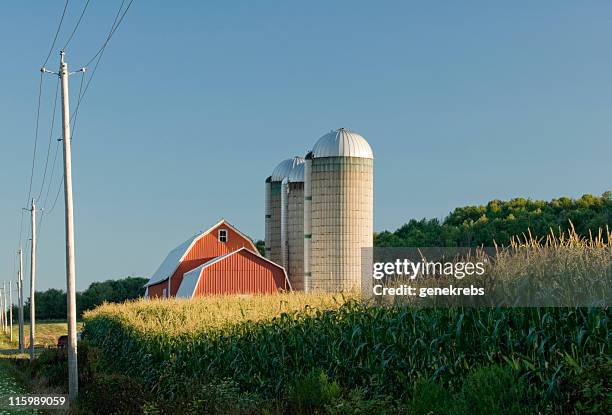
x=498, y=221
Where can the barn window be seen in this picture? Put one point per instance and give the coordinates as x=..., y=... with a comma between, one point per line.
x=222, y=235
x=164, y=293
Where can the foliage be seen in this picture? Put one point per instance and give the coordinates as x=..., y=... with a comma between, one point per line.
x=497, y=221
x=432, y=398
x=52, y=304
x=219, y=397
x=261, y=247
x=111, y=394
x=312, y=391
x=494, y=390
x=589, y=388
x=112, y=291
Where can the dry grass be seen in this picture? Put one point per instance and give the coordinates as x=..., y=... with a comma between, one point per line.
x=178, y=316
x=47, y=333
x=559, y=269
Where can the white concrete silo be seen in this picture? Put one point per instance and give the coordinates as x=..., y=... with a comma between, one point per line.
x=295, y=227
x=338, y=211
x=273, y=203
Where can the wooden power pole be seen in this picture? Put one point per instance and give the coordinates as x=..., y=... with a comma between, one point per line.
x=73, y=371
x=32, y=280
x=2, y=315
x=4, y=308
x=20, y=301
x=11, y=309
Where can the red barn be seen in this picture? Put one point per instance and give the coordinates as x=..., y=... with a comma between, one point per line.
x=227, y=261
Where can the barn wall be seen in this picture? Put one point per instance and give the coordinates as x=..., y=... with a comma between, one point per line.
x=241, y=273
x=157, y=290
x=207, y=248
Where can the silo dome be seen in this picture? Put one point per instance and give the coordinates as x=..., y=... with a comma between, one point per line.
x=297, y=173
x=342, y=143
x=285, y=167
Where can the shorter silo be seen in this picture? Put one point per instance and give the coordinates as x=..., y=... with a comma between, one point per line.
x=273, y=230
x=295, y=227
x=268, y=215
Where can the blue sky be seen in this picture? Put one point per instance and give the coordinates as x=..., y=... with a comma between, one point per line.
x=195, y=102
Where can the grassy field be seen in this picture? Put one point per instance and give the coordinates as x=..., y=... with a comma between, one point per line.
x=47, y=333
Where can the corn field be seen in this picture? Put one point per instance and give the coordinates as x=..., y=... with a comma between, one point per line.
x=262, y=343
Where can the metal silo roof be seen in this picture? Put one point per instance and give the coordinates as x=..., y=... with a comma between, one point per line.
x=297, y=173
x=284, y=168
x=342, y=143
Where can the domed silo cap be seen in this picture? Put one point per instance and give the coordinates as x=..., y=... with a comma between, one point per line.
x=285, y=167
x=342, y=143
x=297, y=174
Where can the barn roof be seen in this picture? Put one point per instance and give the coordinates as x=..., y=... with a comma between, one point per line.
x=176, y=256
x=191, y=278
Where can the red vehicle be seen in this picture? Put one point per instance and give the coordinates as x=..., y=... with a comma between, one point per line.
x=62, y=342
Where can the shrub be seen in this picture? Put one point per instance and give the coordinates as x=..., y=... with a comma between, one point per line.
x=494, y=390
x=112, y=394
x=589, y=390
x=221, y=397
x=431, y=398
x=312, y=392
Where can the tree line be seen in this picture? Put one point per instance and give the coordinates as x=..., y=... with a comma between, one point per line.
x=52, y=305
x=498, y=221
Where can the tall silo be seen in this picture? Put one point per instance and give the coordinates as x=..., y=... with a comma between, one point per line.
x=273, y=230
x=338, y=211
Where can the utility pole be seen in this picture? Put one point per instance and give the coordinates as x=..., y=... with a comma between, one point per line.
x=2, y=310
x=5, y=310
x=73, y=370
x=11, y=308
x=33, y=280
x=20, y=287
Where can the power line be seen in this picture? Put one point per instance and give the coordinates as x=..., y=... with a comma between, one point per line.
x=42, y=185
x=76, y=26
x=114, y=27
x=52, y=174
x=35, y=138
x=59, y=26
x=59, y=188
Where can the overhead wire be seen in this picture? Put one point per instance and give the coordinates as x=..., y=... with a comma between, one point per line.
x=57, y=31
x=35, y=138
x=80, y=94
x=119, y=16
x=42, y=185
x=59, y=27
x=114, y=27
x=76, y=26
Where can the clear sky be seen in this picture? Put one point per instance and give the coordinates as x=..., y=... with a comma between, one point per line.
x=195, y=102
